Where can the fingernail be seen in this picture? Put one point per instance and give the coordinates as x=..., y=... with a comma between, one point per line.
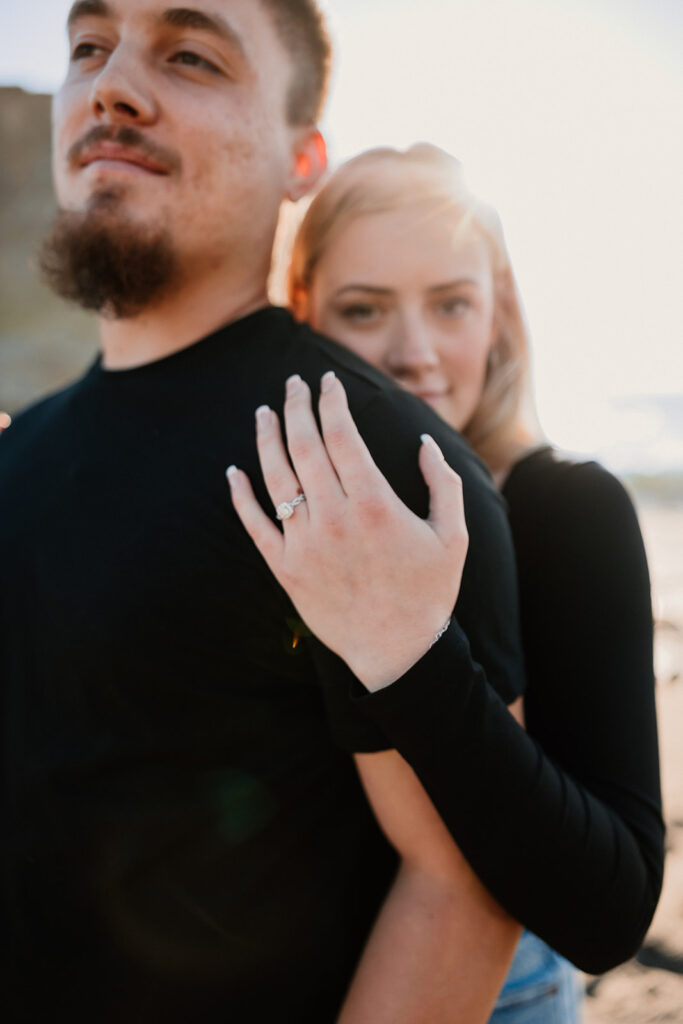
x=428, y=440
x=327, y=381
x=231, y=472
x=263, y=415
x=293, y=385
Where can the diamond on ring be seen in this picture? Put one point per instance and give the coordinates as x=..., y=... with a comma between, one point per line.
x=286, y=509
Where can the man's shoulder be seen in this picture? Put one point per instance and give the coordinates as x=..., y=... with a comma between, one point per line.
x=344, y=361
x=288, y=339
x=392, y=420
x=41, y=415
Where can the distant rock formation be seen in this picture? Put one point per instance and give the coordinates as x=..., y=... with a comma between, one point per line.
x=43, y=342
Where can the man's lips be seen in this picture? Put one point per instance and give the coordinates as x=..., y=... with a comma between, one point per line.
x=113, y=154
x=124, y=150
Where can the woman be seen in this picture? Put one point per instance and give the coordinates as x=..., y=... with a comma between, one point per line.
x=398, y=261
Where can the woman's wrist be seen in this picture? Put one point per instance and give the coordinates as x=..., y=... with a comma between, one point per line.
x=377, y=671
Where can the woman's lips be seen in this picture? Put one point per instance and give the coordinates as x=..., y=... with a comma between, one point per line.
x=430, y=395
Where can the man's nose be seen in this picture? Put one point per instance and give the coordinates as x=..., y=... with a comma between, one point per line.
x=412, y=350
x=121, y=93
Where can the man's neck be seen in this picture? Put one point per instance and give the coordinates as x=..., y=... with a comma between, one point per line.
x=185, y=316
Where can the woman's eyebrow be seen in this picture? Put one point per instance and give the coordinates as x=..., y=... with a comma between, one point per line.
x=453, y=284
x=373, y=289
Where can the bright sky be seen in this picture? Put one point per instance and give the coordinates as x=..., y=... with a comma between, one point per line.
x=568, y=116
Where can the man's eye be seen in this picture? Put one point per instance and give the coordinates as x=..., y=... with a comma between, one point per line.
x=193, y=60
x=85, y=50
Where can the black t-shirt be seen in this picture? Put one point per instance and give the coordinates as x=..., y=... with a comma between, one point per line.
x=563, y=823
x=186, y=835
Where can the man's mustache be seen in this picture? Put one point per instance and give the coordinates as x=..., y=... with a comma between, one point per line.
x=126, y=136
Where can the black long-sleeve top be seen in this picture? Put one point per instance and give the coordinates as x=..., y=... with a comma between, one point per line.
x=563, y=822
x=181, y=823
x=183, y=836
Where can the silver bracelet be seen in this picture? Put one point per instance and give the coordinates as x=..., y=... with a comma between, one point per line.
x=441, y=632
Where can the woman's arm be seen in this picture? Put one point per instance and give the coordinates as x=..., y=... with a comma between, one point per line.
x=564, y=826
x=571, y=848
x=442, y=946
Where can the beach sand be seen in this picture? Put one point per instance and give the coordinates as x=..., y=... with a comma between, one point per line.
x=649, y=989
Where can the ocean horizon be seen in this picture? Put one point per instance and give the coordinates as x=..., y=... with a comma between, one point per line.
x=637, y=435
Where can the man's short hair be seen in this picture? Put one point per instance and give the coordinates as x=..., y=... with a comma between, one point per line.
x=301, y=28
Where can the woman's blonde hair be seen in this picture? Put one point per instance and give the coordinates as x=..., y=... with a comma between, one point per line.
x=428, y=178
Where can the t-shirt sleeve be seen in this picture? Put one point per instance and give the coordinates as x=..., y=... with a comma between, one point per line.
x=487, y=607
x=563, y=824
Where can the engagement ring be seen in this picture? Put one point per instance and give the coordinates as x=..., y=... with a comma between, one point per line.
x=286, y=509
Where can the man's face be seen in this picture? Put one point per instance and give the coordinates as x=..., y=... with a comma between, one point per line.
x=174, y=119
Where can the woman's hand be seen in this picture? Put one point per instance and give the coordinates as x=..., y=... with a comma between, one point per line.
x=370, y=579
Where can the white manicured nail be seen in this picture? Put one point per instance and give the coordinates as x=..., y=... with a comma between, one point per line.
x=327, y=381
x=263, y=415
x=293, y=384
x=428, y=440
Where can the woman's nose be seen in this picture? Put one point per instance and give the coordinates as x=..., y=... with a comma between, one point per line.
x=412, y=349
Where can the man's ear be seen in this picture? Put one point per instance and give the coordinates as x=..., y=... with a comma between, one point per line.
x=309, y=164
x=299, y=304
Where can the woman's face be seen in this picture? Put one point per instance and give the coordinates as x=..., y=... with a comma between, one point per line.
x=415, y=298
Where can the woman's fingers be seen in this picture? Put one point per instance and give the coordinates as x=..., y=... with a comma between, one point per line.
x=340, y=462
x=347, y=450
x=446, y=506
x=280, y=479
x=262, y=530
x=307, y=451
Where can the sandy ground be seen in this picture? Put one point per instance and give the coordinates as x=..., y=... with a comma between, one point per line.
x=650, y=988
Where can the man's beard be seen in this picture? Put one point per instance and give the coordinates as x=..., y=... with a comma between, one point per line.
x=106, y=263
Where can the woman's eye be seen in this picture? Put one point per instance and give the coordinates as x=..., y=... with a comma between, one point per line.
x=455, y=306
x=193, y=60
x=359, y=312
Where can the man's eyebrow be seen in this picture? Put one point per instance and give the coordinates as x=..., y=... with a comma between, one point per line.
x=85, y=8
x=191, y=17
x=176, y=17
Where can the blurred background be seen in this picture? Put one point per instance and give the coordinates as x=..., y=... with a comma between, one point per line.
x=568, y=117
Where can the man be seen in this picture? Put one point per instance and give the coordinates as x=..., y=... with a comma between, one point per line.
x=188, y=840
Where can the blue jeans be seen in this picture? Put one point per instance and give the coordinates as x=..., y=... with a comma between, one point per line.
x=541, y=988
